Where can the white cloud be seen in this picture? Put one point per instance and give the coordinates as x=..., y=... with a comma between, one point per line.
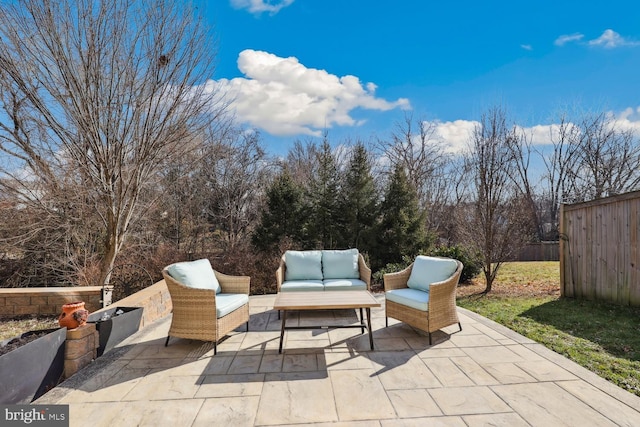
x=283, y=97
x=455, y=135
x=261, y=6
x=610, y=39
x=541, y=134
x=564, y=39
x=629, y=119
x=526, y=46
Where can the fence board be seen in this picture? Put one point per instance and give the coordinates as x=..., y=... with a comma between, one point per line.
x=599, y=256
x=538, y=251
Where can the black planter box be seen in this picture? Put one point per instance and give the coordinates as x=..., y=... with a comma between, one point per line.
x=117, y=327
x=28, y=372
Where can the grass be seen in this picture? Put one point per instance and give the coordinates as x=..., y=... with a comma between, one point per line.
x=599, y=336
x=10, y=328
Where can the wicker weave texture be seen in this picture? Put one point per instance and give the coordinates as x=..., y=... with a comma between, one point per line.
x=442, y=310
x=194, y=310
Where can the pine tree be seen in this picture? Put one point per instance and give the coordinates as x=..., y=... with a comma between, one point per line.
x=325, y=219
x=358, y=202
x=284, y=214
x=401, y=230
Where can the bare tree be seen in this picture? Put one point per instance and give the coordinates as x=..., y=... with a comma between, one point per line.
x=592, y=156
x=234, y=173
x=521, y=149
x=608, y=158
x=301, y=162
x=491, y=223
x=97, y=97
x=416, y=146
x=558, y=163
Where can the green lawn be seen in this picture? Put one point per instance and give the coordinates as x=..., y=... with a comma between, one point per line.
x=601, y=337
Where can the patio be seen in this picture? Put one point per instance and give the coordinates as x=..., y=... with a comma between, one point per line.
x=484, y=375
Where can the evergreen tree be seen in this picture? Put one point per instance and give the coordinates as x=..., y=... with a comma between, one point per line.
x=401, y=230
x=283, y=216
x=358, y=201
x=325, y=219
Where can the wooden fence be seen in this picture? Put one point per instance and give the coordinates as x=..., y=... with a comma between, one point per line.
x=599, y=256
x=538, y=251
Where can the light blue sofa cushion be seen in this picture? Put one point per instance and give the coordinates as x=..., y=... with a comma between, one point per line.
x=195, y=274
x=301, y=286
x=427, y=270
x=340, y=264
x=344, y=284
x=303, y=265
x=410, y=297
x=227, y=303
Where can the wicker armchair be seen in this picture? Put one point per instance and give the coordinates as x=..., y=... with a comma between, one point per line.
x=194, y=310
x=441, y=305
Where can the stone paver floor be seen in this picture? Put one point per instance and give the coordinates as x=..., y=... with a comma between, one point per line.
x=484, y=375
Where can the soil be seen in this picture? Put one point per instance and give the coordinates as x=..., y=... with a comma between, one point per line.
x=22, y=340
x=534, y=288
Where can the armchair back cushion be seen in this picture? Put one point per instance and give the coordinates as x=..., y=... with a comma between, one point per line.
x=340, y=264
x=303, y=265
x=195, y=274
x=427, y=270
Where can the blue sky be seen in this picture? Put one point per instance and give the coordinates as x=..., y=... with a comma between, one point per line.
x=355, y=68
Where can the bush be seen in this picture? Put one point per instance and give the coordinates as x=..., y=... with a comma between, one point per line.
x=472, y=263
x=377, y=279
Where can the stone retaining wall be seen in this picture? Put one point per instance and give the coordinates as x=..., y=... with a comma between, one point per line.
x=47, y=301
x=155, y=300
x=82, y=342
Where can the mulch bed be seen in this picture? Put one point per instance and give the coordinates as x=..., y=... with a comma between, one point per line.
x=20, y=341
x=535, y=288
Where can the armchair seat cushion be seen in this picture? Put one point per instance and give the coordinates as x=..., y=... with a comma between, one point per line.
x=410, y=297
x=227, y=303
x=302, y=286
x=195, y=274
x=427, y=270
x=344, y=285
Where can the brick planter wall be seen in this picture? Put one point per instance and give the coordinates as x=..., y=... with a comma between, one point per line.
x=80, y=348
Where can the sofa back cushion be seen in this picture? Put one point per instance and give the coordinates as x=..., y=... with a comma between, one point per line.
x=340, y=264
x=195, y=274
x=303, y=265
x=427, y=270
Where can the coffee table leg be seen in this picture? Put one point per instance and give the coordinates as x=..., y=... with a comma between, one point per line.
x=369, y=327
x=361, y=321
x=284, y=320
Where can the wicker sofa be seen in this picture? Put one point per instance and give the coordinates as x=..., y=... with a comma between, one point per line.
x=320, y=270
x=424, y=294
x=207, y=304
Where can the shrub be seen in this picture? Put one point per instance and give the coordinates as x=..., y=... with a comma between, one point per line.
x=472, y=263
x=377, y=279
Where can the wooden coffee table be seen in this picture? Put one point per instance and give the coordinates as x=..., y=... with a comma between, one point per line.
x=326, y=300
